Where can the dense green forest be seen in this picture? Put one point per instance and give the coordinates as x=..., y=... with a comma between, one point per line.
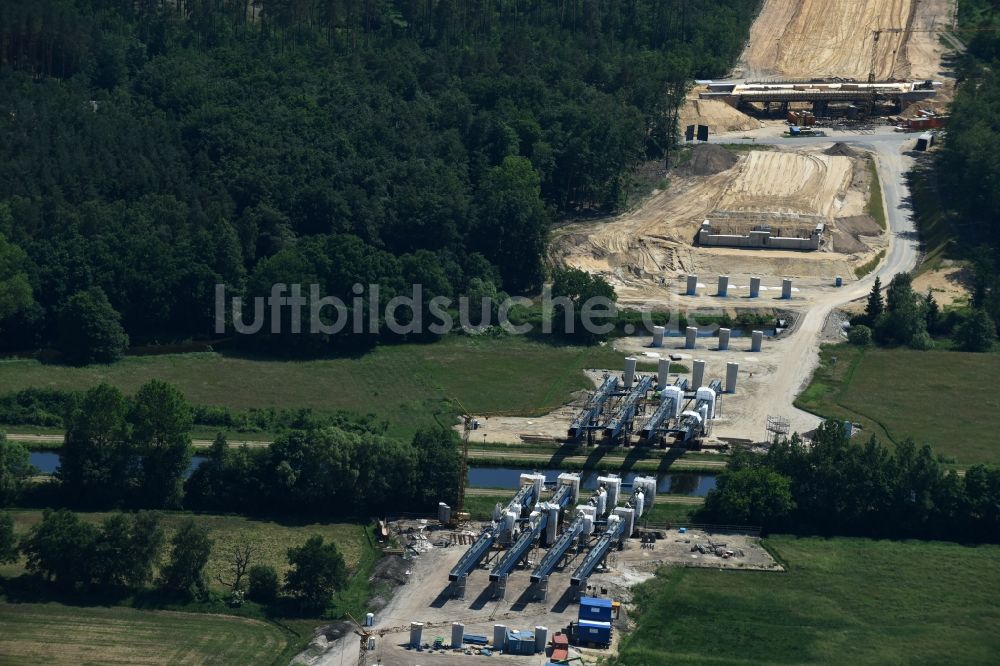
x=967, y=170
x=150, y=150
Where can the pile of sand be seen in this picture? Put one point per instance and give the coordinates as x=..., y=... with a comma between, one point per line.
x=708, y=159
x=847, y=244
x=859, y=225
x=841, y=149
x=849, y=230
x=716, y=114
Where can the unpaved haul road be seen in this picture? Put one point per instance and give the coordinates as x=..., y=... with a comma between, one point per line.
x=800, y=351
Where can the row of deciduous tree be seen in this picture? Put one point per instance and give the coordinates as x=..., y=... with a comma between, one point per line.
x=833, y=486
x=125, y=552
x=136, y=452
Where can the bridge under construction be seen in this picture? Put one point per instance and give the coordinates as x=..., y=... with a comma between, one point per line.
x=823, y=95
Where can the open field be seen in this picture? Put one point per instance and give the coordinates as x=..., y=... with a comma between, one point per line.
x=272, y=539
x=56, y=634
x=841, y=601
x=406, y=385
x=833, y=38
x=935, y=397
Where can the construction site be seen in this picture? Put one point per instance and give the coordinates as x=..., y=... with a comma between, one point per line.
x=548, y=578
x=786, y=214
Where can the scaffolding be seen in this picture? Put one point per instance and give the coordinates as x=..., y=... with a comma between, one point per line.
x=777, y=426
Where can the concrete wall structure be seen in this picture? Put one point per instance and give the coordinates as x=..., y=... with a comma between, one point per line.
x=759, y=239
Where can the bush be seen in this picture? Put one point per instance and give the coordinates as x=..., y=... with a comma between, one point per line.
x=922, y=341
x=262, y=585
x=860, y=335
x=90, y=329
x=977, y=333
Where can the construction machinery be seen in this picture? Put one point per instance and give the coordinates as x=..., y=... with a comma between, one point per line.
x=611, y=537
x=503, y=524
x=588, y=417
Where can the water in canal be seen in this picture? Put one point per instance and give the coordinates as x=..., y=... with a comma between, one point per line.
x=47, y=462
x=677, y=483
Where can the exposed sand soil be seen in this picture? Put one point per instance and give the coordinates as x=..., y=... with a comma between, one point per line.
x=948, y=284
x=834, y=38
x=719, y=116
x=642, y=252
x=785, y=182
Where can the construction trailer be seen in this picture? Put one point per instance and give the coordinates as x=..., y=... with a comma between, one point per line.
x=588, y=632
x=595, y=609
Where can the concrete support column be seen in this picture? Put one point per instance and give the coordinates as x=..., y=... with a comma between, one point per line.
x=754, y=287
x=458, y=587
x=692, y=285
x=697, y=375
x=692, y=337
x=723, y=285
x=724, y=334
x=658, y=332
x=757, y=341
x=732, y=371
x=786, y=289
x=663, y=374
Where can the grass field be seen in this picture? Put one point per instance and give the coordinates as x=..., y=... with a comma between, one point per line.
x=272, y=539
x=939, y=398
x=842, y=601
x=58, y=634
x=406, y=385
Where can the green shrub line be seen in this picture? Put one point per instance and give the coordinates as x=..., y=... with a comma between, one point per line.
x=868, y=267
x=875, y=206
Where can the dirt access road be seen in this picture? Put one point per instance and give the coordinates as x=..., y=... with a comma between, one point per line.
x=801, y=348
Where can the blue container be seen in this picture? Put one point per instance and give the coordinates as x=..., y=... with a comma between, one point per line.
x=597, y=610
x=594, y=632
x=839, y=281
